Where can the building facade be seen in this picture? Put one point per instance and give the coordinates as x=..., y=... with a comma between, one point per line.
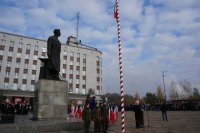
x=81, y=65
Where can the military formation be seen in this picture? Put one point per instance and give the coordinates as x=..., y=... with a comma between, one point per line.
x=96, y=112
x=8, y=107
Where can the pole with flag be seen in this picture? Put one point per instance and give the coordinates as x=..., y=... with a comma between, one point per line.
x=116, y=15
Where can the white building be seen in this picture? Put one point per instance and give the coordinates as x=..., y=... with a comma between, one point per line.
x=81, y=65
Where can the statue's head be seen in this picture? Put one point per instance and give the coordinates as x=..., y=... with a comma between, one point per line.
x=57, y=32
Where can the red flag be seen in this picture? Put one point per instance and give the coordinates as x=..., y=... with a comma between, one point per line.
x=115, y=10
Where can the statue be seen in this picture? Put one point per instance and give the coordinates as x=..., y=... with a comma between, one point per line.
x=51, y=67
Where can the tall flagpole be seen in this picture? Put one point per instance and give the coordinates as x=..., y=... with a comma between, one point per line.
x=116, y=15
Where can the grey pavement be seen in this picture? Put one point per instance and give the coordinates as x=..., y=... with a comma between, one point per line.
x=179, y=122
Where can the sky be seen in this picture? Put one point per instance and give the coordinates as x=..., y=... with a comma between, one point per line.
x=156, y=36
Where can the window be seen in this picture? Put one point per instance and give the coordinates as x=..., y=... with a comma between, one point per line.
x=26, y=71
x=71, y=58
x=32, y=82
x=71, y=76
x=26, y=61
x=34, y=62
x=71, y=67
x=17, y=70
x=15, y=80
x=9, y=58
x=65, y=57
x=43, y=54
x=19, y=50
x=28, y=51
x=34, y=72
x=36, y=47
x=24, y=81
x=6, y=80
x=28, y=46
x=18, y=60
x=64, y=66
x=64, y=75
x=20, y=45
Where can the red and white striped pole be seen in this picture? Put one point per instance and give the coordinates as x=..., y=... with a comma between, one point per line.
x=116, y=15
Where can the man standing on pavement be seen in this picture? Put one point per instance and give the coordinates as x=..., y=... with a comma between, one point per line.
x=164, y=111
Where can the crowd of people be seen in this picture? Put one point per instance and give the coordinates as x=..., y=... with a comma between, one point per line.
x=98, y=112
x=17, y=107
x=178, y=105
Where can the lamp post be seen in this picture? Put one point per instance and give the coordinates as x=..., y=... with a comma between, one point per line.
x=163, y=74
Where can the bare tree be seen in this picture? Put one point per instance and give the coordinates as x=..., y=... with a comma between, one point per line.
x=173, y=94
x=160, y=94
x=187, y=88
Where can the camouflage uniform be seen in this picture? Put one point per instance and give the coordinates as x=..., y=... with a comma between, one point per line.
x=104, y=118
x=97, y=118
x=87, y=119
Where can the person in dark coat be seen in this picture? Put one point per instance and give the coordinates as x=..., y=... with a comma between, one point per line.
x=86, y=117
x=104, y=117
x=97, y=118
x=53, y=53
x=139, y=120
x=163, y=108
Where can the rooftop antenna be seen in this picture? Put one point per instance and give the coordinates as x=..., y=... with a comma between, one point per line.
x=77, y=26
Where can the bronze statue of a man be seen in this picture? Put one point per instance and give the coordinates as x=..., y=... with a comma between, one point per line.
x=53, y=53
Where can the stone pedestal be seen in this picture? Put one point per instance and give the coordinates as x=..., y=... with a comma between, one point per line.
x=50, y=101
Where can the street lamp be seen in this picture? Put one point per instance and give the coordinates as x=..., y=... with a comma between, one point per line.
x=163, y=74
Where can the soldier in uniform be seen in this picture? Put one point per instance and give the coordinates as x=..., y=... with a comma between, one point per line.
x=97, y=118
x=86, y=118
x=104, y=117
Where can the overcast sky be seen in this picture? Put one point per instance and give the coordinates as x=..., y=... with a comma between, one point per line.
x=157, y=35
